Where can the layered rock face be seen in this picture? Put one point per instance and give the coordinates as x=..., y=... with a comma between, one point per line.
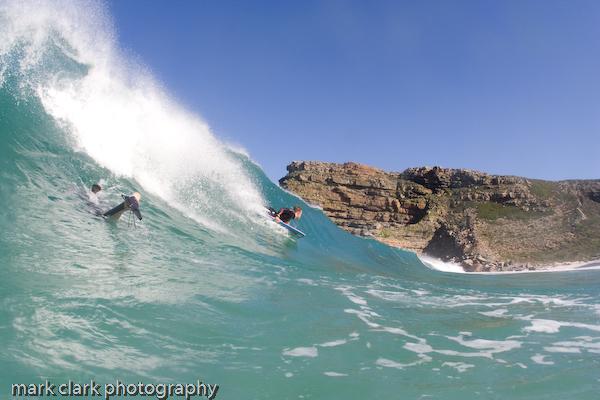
x=484, y=222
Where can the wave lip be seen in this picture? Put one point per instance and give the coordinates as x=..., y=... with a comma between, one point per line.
x=66, y=55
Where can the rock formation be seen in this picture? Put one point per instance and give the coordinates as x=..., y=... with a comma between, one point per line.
x=484, y=222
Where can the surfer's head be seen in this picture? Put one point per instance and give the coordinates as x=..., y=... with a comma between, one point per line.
x=96, y=188
x=297, y=212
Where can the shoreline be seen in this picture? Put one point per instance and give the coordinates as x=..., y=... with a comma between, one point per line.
x=444, y=266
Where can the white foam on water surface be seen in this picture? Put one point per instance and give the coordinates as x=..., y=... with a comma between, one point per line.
x=556, y=349
x=446, y=266
x=334, y=343
x=363, y=316
x=387, y=363
x=307, y=281
x=384, y=362
x=398, y=331
x=420, y=348
x=389, y=295
x=459, y=366
x=490, y=346
x=499, y=313
x=540, y=359
x=575, y=346
x=439, y=265
x=486, y=348
x=301, y=352
x=552, y=326
x=346, y=291
x=334, y=374
x=543, y=325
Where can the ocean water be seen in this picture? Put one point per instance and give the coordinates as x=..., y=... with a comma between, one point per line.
x=205, y=287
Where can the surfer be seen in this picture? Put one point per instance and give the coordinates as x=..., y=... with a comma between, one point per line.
x=91, y=198
x=130, y=203
x=286, y=214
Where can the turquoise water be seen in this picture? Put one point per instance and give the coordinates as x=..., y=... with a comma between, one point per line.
x=205, y=287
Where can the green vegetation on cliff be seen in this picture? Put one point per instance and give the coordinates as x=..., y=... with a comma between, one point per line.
x=492, y=211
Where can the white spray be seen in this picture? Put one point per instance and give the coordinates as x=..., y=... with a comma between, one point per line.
x=118, y=114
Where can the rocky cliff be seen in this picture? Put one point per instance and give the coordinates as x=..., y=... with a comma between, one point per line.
x=484, y=222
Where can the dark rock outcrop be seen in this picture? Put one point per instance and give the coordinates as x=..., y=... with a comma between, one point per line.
x=485, y=222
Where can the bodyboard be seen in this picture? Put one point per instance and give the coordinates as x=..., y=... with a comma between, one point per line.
x=115, y=212
x=295, y=231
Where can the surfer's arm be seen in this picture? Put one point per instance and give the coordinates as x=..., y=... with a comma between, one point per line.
x=278, y=215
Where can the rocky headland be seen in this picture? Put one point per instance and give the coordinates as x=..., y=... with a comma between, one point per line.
x=480, y=221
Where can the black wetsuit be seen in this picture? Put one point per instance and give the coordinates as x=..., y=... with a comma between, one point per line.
x=130, y=203
x=286, y=215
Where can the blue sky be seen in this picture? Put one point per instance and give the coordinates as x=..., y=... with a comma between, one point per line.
x=507, y=87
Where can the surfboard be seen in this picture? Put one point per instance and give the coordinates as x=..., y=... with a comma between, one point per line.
x=116, y=212
x=295, y=231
